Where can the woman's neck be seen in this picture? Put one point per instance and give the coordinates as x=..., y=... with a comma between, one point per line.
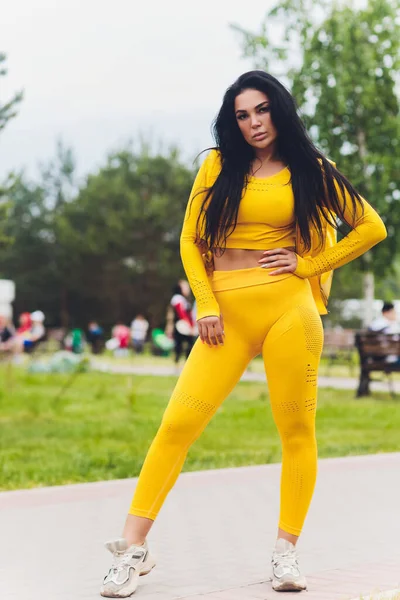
x=266, y=155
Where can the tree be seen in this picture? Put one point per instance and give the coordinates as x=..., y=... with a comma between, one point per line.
x=342, y=67
x=8, y=110
x=26, y=259
x=105, y=250
x=120, y=237
x=35, y=258
x=59, y=188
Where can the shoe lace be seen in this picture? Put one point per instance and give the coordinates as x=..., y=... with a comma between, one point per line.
x=122, y=561
x=289, y=558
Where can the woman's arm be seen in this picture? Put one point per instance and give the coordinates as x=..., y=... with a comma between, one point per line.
x=207, y=305
x=368, y=231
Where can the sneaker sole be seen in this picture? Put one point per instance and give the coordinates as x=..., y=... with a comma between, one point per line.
x=287, y=586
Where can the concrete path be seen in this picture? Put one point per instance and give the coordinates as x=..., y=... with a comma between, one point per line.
x=344, y=383
x=213, y=537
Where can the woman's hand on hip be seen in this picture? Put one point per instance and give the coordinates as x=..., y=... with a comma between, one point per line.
x=283, y=258
x=211, y=330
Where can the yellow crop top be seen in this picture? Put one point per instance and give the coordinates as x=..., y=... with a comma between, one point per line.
x=266, y=221
x=265, y=218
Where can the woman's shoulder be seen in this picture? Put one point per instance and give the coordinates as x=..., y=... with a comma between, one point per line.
x=212, y=163
x=212, y=160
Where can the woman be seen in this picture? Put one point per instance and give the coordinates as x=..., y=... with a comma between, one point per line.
x=183, y=320
x=265, y=203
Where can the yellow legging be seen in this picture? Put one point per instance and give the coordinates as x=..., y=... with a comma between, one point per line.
x=274, y=316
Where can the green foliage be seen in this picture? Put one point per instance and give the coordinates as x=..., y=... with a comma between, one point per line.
x=7, y=110
x=346, y=65
x=35, y=258
x=29, y=260
x=104, y=424
x=121, y=235
x=106, y=249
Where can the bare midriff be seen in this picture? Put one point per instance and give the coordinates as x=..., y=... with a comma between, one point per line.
x=239, y=258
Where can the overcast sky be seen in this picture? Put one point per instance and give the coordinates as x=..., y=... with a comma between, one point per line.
x=98, y=72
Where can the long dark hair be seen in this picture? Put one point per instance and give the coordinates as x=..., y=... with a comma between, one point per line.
x=312, y=175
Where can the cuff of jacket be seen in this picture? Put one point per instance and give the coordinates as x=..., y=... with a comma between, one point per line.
x=304, y=267
x=210, y=311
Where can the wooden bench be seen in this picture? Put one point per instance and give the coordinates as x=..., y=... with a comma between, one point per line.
x=339, y=347
x=374, y=349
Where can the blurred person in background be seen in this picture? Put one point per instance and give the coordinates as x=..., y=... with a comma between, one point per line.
x=75, y=341
x=95, y=337
x=139, y=329
x=37, y=332
x=121, y=333
x=183, y=320
x=258, y=246
x=25, y=323
x=7, y=335
x=31, y=332
x=387, y=322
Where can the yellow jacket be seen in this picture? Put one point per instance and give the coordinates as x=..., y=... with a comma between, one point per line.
x=317, y=264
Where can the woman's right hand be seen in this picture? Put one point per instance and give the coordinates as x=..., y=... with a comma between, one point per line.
x=211, y=330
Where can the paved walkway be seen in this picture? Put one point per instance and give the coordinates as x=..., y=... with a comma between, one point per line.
x=344, y=383
x=213, y=537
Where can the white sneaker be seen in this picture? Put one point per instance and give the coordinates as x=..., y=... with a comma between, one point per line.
x=286, y=575
x=128, y=565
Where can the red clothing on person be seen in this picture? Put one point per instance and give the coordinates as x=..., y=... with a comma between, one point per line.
x=122, y=334
x=26, y=322
x=182, y=309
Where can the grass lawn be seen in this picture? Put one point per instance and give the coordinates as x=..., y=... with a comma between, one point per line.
x=103, y=425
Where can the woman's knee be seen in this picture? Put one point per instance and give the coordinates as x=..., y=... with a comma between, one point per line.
x=298, y=434
x=179, y=430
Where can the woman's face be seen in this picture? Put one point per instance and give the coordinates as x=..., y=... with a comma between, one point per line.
x=254, y=119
